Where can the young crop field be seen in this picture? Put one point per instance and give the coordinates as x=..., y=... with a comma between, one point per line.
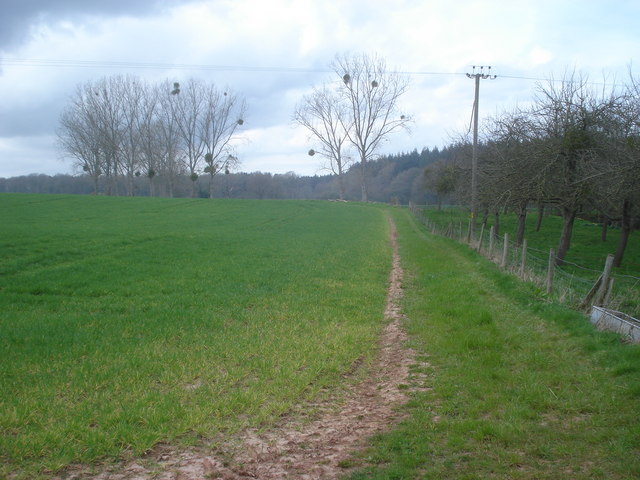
x=131, y=322
x=125, y=322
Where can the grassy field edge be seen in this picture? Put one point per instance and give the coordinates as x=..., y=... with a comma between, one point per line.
x=520, y=388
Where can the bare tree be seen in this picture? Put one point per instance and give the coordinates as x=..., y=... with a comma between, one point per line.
x=105, y=103
x=170, y=157
x=91, y=131
x=76, y=136
x=150, y=135
x=565, y=116
x=190, y=108
x=122, y=126
x=325, y=117
x=617, y=179
x=628, y=171
x=207, y=120
x=441, y=177
x=136, y=114
x=510, y=174
x=224, y=114
x=369, y=94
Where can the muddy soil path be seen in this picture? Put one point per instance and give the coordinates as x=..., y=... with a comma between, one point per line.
x=301, y=447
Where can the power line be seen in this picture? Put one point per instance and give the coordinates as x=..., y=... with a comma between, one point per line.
x=59, y=63
x=43, y=62
x=537, y=79
x=39, y=62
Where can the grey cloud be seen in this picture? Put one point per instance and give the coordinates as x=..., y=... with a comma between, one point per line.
x=17, y=16
x=34, y=119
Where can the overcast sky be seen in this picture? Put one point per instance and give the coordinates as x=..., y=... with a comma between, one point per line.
x=274, y=51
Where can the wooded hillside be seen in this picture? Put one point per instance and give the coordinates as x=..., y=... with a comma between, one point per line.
x=393, y=178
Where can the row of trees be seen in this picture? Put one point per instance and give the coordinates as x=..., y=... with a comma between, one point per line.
x=576, y=147
x=395, y=178
x=122, y=127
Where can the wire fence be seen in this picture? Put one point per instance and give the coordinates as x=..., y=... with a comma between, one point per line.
x=568, y=283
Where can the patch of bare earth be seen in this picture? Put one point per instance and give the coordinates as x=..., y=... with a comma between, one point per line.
x=300, y=447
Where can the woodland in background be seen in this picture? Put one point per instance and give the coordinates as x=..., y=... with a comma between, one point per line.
x=395, y=178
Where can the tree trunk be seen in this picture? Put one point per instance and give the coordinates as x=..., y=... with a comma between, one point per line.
x=540, y=215
x=625, y=231
x=112, y=178
x=193, y=176
x=522, y=219
x=485, y=217
x=496, y=223
x=341, y=185
x=605, y=226
x=568, y=216
x=170, y=182
x=363, y=180
x=130, y=186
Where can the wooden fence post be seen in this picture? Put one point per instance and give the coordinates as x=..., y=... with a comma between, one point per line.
x=605, y=301
x=491, y=235
x=604, y=285
x=505, y=251
x=480, y=239
x=551, y=270
x=600, y=290
x=523, y=260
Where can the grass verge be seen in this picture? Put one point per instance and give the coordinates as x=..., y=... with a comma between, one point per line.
x=586, y=257
x=519, y=388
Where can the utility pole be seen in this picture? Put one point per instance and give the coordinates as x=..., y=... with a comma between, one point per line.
x=474, y=155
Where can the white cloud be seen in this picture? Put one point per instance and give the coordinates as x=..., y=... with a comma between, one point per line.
x=26, y=155
x=540, y=56
x=276, y=149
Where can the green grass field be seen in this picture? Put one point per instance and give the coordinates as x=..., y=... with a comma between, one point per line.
x=125, y=322
x=587, y=248
x=585, y=259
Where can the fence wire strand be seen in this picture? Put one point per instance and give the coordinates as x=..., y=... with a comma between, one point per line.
x=568, y=286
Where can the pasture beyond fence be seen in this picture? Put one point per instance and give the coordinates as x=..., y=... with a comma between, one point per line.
x=572, y=284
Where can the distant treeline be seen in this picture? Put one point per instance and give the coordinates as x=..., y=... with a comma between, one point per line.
x=395, y=178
